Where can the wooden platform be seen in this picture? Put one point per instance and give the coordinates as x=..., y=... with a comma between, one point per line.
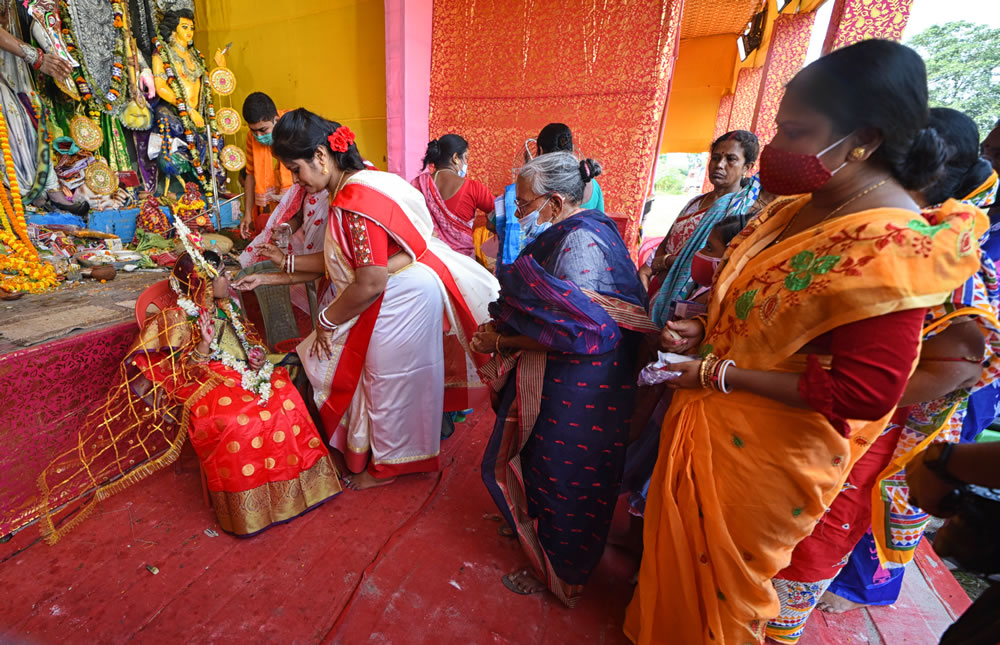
x=418, y=561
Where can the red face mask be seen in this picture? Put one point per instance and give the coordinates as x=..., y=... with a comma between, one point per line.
x=792, y=173
x=703, y=268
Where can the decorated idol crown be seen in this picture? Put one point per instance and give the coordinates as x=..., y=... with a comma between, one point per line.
x=193, y=246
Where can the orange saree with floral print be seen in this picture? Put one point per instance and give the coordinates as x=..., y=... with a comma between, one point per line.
x=741, y=479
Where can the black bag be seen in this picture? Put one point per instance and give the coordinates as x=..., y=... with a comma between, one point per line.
x=971, y=537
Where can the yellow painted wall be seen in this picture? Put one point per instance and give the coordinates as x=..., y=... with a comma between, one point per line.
x=324, y=55
x=703, y=73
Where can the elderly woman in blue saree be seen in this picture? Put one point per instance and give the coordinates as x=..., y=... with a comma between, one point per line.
x=564, y=338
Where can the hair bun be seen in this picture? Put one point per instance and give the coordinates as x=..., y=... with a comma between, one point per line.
x=589, y=169
x=924, y=160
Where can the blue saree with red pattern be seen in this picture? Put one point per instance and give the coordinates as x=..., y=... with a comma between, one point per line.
x=554, y=462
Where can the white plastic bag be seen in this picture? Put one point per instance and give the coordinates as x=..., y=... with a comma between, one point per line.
x=659, y=370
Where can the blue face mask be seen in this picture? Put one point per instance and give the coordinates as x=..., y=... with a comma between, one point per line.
x=264, y=139
x=464, y=170
x=531, y=227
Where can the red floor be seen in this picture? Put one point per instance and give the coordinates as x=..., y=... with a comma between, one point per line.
x=418, y=561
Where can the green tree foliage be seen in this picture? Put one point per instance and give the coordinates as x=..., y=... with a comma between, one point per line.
x=963, y=69
x=671, y=182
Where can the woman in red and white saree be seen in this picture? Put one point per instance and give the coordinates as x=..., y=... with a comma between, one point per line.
x=376, y=360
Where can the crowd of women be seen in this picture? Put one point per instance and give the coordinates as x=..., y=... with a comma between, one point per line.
x=835, y=321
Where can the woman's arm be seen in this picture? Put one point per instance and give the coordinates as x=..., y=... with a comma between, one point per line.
x=971, y=463
x=254, y=280
x=310, y=262
x=944, y=363
x=483, y=197
x=521, y=342
x=871, y=363
x=369, y=283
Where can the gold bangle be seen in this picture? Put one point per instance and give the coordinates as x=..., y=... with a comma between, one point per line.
x=707, y=366
x=498, y=343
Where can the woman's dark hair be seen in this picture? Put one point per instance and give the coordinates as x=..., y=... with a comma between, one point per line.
x=555, y=137
x=882, y=85
x=747, y=140
x=259, y=107
x=964, y=170
x=730, y=227
x=170, y=21
x=298, y=134
x=440, y=151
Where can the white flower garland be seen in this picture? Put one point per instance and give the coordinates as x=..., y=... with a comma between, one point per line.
x=255, y=381
x=191, y=243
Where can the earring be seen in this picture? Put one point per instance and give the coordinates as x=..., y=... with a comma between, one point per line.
x=325, y=171
x=856, y=154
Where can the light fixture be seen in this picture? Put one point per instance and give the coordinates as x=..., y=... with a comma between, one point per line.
x=752, y=36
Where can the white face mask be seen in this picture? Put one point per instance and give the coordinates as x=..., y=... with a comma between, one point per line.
x=464, y=169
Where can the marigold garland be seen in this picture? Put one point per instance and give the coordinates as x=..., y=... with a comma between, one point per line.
x=29, y=273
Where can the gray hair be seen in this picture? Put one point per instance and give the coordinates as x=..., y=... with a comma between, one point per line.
x=560, y=172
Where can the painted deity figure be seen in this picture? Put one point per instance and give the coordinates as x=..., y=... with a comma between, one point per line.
x=181, y=115
x=46, y=28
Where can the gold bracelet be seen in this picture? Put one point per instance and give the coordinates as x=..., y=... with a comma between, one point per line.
x=707, y=367
x=498, y=343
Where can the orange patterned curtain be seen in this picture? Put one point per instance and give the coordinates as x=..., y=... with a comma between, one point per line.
x=721, y=127
x=503, y=69
x=789, y=43
x=855, y=20
x=745, y=99
x=722, y=118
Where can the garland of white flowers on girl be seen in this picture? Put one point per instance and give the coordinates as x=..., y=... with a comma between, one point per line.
x=255, y=381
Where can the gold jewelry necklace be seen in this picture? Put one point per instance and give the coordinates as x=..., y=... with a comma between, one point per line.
x=781, y=237
x=856, y=197
x=340, y=184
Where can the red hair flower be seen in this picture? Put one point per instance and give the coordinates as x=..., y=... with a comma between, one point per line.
x=341, y=139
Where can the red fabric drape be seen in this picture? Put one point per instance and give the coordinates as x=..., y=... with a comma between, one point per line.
x=789, y=43
x=745, y=99
x=855, y=20
x=503, y=69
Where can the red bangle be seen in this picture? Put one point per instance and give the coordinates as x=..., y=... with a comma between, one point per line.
x=37, y=65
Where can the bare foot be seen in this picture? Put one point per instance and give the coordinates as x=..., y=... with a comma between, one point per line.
x=831, y=603
x=365, y=479
x=523, y=582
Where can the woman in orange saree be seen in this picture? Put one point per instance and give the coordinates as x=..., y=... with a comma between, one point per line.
x=813, y=328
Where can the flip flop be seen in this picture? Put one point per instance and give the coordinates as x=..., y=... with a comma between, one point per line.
x=508, y=581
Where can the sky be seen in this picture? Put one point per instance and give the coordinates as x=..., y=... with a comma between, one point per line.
x=923, y=14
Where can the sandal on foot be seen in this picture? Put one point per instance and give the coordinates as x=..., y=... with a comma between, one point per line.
x=513, y=582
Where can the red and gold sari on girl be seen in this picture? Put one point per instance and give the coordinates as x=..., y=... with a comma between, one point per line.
x=264, y=462
x=741, y=479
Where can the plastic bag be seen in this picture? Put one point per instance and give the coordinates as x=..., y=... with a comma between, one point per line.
x=659, y=370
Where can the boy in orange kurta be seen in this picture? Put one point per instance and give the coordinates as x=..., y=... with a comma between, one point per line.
x=267, y=180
